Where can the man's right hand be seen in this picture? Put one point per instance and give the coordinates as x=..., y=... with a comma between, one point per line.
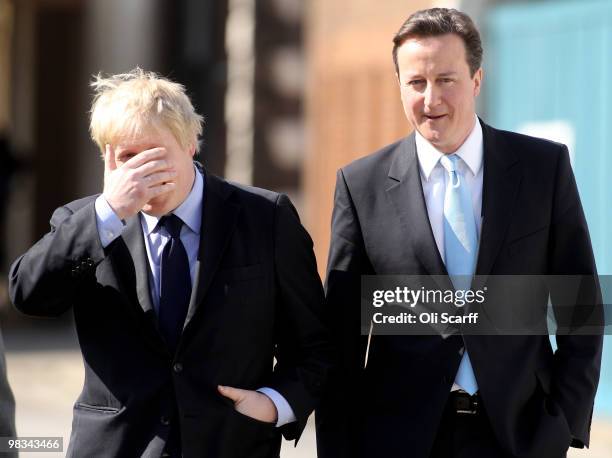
x=129, y=187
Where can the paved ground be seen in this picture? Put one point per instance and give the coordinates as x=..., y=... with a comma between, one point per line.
x=46, y=373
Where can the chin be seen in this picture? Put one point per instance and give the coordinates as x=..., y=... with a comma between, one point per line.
x=157, y=207
x=432, y=136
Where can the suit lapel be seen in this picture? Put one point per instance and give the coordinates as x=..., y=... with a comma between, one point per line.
x=219, y=215
x=134, y=240
x=501, y=179
x=130, y=263
x=406, y=194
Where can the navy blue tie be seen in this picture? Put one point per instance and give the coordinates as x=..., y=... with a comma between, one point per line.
x=175, y=288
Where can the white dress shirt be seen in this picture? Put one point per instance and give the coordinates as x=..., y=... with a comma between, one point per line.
x=434, y=180
x=190, y=212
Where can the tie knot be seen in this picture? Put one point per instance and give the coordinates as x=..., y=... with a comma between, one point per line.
x=449, y=162
x=173, y=225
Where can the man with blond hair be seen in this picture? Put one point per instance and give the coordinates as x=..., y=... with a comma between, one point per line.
x=184, y=288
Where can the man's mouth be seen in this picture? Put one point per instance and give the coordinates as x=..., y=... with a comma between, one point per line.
x=434, y=117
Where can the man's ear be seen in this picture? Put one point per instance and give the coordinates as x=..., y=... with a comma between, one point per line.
x=477, y=81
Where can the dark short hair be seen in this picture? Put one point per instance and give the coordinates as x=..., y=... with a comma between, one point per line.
x=441, y=21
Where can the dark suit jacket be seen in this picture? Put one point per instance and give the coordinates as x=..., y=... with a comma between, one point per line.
x=533, y=224
x=7, y=402
x=257, y=296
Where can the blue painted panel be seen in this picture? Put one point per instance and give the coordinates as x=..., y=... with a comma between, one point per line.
x=548, y=71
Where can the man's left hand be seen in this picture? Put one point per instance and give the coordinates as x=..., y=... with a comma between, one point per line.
x=251, y=403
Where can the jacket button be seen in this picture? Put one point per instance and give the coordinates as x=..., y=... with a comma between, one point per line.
x=177, y=368
x=165, y=421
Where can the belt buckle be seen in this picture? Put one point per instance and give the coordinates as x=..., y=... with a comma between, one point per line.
x=472, y=411
x=467, y=405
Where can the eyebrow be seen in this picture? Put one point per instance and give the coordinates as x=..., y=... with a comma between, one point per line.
x=439, y=75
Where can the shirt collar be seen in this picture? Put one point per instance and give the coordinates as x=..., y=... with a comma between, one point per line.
x=190, y=211
x=471, y=151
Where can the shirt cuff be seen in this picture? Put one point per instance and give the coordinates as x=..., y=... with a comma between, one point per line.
x=283, y=409
x=109, y=224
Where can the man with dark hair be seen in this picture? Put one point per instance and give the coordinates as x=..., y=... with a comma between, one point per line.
x=456, y=197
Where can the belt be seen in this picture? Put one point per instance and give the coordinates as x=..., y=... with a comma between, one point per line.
x=463, y=403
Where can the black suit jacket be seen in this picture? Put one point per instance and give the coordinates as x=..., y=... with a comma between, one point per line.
x=533, y=224
x=257, y=297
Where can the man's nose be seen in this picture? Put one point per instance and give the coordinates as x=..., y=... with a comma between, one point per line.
x=431, y=95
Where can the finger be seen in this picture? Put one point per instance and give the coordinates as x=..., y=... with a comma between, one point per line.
x=145, y=156
x=159, y=189
x=235, y=394
x=159, y=178
x=109, y=158
x=153, y=166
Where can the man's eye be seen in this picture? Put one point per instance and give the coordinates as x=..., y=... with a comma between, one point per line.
x=446, y=80
x=415, y=82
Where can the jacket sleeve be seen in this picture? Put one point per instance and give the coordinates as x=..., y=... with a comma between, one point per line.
x=577, y=360
x=303, y=351
x=338, y=418
x=43, y=281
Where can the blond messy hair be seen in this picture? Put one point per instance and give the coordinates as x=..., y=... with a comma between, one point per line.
x=125, y=105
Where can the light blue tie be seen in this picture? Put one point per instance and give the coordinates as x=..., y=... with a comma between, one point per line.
x=460, y=246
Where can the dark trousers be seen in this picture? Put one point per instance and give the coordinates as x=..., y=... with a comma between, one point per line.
x=465, y=436
x=173, y=448
x=462, y=435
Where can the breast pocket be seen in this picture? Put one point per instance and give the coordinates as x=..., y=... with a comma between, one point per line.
x=243, y=286
x=237, y=274
x=247, y=298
